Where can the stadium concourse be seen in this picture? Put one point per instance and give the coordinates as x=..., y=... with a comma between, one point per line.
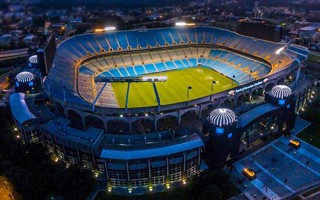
x=148, y=109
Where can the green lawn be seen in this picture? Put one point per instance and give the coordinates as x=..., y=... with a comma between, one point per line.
x=314, y=57
x=311, y=135
x=174, y=90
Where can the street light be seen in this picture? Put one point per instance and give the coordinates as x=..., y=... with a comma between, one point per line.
x=213, y=82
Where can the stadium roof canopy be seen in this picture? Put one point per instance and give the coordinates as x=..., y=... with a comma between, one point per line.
x=281, y=91
x=180, y=145
x=222, y=116
x=33, y=59
x=254, y=113
x=24, y=77
x=19, y=108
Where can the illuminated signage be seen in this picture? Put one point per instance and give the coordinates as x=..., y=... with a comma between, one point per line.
x=248, y=87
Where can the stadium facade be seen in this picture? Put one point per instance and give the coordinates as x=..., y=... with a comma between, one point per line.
x=88, y=127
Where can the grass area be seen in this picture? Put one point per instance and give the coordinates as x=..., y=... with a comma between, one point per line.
x=174, y=90
x=314, y=57
x=311, y=135
x=312, y=110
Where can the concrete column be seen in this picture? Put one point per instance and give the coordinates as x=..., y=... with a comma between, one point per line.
x=83, y=122
x=200, y=111
x=105, y=124
x=179, y=117
x=167, y=159
x=184, y=162
x=128, y=173
x=79, y=158
x=106, y=173
x=130, y=126
x=155, y=124
x=199, y=156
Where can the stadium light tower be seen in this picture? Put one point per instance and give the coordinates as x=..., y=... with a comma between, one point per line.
x=213, y=82
x=233, y=76
x=189, y=88
x=181, y=23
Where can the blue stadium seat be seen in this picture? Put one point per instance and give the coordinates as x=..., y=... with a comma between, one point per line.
x=112, y=40
x=123, y=71
x=139, y=69
x=132, y=40
x=121, y=36
x=193, y=62
x=179, y=64
x=170, y=65
x=161, y=67
x=150, y=68
x=141, y=40
x=131, y=71
x=159, y=38
x=186, y=62
x=150, y=39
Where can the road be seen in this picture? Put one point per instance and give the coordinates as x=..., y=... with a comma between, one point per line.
x=5, y=55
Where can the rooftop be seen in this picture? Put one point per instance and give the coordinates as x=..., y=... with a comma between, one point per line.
x=59, y=127
x=149, y=150
x=254, y=113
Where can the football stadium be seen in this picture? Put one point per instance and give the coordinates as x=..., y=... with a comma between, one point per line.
x=120, y=98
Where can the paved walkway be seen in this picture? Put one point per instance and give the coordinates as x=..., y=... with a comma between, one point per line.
x=264, y=189
x=280, y=169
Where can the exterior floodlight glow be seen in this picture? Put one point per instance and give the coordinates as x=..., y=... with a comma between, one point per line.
x=110, y=28
x=184, y=24
x=280, y=50
x=181, y=23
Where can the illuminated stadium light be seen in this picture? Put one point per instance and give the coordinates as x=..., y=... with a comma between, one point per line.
x=98, y=30
x=185, y=24
x=280, y=50
x=110, y=28
x=281, y=91
x=132, y=79
x=222, y=116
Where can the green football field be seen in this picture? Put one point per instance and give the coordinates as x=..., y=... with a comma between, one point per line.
x=174, y=90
